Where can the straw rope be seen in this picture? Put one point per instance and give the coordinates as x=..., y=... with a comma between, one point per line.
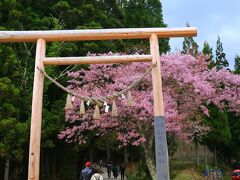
x=99, y=100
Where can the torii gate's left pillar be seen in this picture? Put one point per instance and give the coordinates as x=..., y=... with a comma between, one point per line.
x=36, y=120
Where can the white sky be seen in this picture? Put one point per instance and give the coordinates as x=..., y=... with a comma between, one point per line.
x=211, y=17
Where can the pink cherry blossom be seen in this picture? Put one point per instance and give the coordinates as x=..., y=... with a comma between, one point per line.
x=188, y=87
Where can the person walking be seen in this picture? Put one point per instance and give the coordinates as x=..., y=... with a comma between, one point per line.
x=100, y=164
x=109, y=169
x=87, y=172
x=115, y=171
x=96, y=176
x=122, y=171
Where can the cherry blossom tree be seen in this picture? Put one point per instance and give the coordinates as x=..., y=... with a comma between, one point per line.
x=188, y=87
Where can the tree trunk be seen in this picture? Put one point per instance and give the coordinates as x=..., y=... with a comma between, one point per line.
x=215, y=155
x=148, y=134
x=108, y=153
x=197, y=153
x=54, y=164
x=42, y=163
x=125, y=155
x=150, y=161
x=6, y=171
x=206, y=155
x=17, y=171
x=132, y=154
x=91, y=155
x=46, y=162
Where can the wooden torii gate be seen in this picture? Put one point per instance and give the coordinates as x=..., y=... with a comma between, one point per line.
x=41, y=37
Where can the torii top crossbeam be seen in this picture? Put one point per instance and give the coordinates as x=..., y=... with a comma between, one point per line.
x=95, y=34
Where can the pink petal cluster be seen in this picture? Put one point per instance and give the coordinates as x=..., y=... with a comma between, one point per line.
x=188, y=87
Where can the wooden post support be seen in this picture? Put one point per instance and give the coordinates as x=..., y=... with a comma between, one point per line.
x=36, y=121
x=161, y=149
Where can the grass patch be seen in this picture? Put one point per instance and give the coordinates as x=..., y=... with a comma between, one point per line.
x=188, y=175
x=188, y=171
x=179, y=170
x=135, y=171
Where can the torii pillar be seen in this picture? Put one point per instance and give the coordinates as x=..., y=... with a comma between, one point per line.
x=41, y=37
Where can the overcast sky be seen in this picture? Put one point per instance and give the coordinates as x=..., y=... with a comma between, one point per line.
x=211, y=17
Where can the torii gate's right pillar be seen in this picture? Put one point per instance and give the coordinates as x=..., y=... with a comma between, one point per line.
x=161, y=150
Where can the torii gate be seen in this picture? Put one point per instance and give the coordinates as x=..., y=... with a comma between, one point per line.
x=41, y=37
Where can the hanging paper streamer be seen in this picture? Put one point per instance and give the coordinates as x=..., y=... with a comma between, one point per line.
x=130, y=101
x=82, y=108
x=88, y=102
x=68, y=104
x=73, y=98
x=114, y=109
x=106, y=108
x=105, y=103
x=96, y=114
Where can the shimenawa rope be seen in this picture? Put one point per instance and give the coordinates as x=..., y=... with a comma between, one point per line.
x=101, y=99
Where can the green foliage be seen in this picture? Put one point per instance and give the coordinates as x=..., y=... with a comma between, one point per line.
x=53, y=122
x=61, y=6
x=207, y=50
x=12, y=138
x=234, y=146
x=13, y=132
x=221, y=60
x=189, y=45
x=220, y=134
x=138, y=171
x=237, y=64
x=173, y=143
x=147, y=13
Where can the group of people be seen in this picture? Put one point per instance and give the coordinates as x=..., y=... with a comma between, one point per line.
x=113, y=168
x=88, y=173
x=213, y=173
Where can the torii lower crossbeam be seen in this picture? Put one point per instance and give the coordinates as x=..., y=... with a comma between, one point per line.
x=41, y=37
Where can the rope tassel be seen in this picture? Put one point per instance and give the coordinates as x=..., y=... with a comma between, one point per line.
x=82, y=108
x=130, y=100
x=68, y=102
x=96, y=114
x=114, y=109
